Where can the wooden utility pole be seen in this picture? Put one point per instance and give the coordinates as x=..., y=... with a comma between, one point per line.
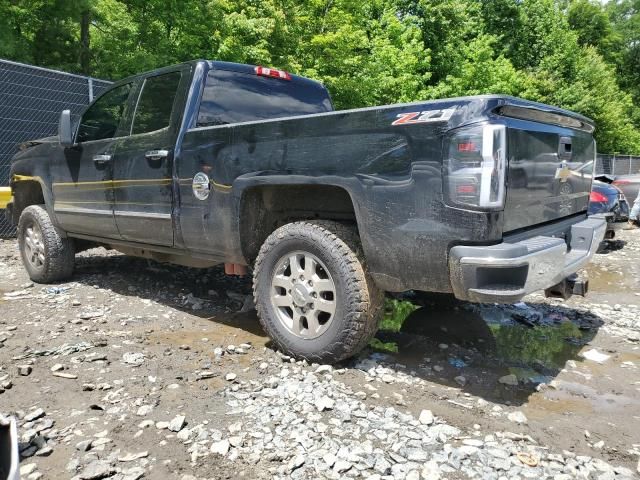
x=85, y=54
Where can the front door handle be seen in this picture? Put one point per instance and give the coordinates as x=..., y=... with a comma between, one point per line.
x=156, y=154
x=101, y=159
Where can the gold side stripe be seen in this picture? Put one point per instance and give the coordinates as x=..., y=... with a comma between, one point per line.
x=120, y=183
x=113, y=182
x=25, y=178
x=97, y=202
x=90, y=188
x=219, y=185
x=187, y=181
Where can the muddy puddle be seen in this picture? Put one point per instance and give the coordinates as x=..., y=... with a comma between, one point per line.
x=604, y=279
x=219, y=330
x=533, y=344
x=485, y=343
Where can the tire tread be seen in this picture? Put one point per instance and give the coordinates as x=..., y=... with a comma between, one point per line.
x=59, y=250
x=363, y=299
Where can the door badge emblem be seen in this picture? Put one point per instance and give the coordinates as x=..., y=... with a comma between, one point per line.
x=200, y=186
x=563, y=172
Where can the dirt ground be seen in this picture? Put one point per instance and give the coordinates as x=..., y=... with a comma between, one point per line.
x=128, y=344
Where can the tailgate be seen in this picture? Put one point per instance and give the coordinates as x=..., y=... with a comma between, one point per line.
x=549, y=173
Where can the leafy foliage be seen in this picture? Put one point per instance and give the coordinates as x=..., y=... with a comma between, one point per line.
x=578, y=54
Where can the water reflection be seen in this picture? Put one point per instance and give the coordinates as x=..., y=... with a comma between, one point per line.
x=532, y=341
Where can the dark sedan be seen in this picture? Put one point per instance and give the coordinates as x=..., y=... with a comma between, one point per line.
x=608, y=199
x=629, y=184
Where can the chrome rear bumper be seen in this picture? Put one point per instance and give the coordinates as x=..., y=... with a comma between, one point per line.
x=506, y=272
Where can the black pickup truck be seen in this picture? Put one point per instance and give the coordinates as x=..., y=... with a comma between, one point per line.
x=211, y=162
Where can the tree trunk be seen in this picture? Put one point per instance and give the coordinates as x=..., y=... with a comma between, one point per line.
x=85, y=57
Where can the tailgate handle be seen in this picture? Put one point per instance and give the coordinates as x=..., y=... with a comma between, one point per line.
x=565, y=149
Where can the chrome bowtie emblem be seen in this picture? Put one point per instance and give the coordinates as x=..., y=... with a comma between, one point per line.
x=200, y=186
x=563, y=173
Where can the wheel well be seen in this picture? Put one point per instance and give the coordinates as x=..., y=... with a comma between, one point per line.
x=25, y=193
x=267, y=207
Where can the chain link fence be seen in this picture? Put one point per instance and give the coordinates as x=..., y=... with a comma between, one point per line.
x=31, y=99
x=615, y=164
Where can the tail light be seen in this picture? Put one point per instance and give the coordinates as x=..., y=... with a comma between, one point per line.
x=475, y=166
x=621, y=182
x=597, y=197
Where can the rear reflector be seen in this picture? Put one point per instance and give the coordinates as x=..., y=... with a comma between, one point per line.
x=272, y=72
x=597, y=197
x=465, y=189
x=467, y=147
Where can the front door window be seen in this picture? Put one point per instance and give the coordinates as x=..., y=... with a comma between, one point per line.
x=103, y=118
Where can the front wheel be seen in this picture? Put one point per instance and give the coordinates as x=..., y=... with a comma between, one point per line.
x=312, y=292
x=47, y=256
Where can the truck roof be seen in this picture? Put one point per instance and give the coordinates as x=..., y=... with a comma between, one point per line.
x=249, y=69
x=220, y=65
x=491, y=102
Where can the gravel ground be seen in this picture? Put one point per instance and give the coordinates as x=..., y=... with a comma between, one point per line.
x=140, y=370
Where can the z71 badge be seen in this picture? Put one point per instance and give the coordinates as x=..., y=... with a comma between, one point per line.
x=424, y=117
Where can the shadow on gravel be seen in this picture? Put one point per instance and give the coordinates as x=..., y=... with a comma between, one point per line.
x=486, y=343
x=609, y=246
x=439, y=339
x=206, y=293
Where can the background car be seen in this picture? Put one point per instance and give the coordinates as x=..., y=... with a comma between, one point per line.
x=609, y=199
x=629, y=184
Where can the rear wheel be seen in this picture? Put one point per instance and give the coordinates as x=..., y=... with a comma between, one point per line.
x=312, y=292
x=47, y=256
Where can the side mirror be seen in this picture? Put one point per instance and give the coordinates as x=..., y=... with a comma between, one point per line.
x=65, y=135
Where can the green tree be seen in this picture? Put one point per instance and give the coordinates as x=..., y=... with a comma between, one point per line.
x=590, y=21
x=365, y=53
x=480, y=71
x=625, y=19
x=572, y=53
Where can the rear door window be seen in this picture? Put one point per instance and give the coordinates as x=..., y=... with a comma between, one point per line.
x=155, y=104
x=102, y=119
x=232, y=97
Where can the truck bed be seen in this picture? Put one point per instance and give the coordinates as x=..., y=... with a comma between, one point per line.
x=392, y=170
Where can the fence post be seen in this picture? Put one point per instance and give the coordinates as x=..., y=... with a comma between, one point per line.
x=90, y=81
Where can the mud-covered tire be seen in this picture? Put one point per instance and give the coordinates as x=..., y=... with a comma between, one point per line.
x=56, y=257
x=358, y=301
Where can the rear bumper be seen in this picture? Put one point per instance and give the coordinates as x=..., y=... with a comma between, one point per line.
x=506, y=272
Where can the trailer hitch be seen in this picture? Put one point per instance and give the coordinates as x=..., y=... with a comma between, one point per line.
x=572, y=285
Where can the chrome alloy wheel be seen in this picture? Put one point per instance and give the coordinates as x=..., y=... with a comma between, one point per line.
x=303, y=294
x=33, y=246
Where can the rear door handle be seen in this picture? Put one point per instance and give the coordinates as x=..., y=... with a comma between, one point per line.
x=101, y=159
x=156, y=154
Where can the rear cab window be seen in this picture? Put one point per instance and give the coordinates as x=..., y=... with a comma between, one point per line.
x=233, y=97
